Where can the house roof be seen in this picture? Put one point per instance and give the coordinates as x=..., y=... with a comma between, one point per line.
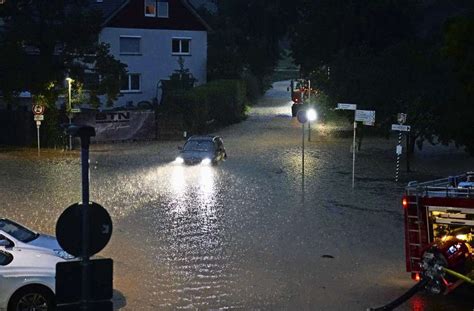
x=110, y=8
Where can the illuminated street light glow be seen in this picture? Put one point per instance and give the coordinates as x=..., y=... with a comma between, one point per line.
x=206, y=161
x=311, y=115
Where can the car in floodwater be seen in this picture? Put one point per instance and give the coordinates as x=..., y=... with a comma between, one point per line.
x=14, y=235
x=203, y=150
x=27, y=279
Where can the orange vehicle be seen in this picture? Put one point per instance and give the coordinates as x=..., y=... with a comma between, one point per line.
x=439, y=232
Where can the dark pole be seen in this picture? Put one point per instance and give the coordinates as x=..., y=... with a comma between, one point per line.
x=85, y=142
x=309, y=131
x=85, y=133
x=302, y=163
x=409, y=151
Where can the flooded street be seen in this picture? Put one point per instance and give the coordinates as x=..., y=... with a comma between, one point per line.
x=238, y=236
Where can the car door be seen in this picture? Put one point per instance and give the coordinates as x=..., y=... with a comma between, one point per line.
x=5, y=290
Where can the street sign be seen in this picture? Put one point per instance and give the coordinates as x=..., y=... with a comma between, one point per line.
x=68, y=280
x=402, y=128
x=401, y=118
x=399, y=149
x=301, y=116
x=345, y=106
x=38, y=117
x=76, y=110
x=38, y=109
x=366, y=116
x=69, y=229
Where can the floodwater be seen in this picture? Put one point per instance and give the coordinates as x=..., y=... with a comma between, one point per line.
x=239, y=236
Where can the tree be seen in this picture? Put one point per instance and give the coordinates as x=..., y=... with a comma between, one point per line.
x=43, y=41
x=458, y=49
x=385, y=55
x=245, y=37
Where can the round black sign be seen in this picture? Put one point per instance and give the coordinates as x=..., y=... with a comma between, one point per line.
x=69, y=229
x=301, y=116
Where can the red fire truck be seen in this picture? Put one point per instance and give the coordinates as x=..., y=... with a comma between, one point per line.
x=299, y=93
x=439, y=232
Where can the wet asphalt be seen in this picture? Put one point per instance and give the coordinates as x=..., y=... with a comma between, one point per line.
x=241, y=235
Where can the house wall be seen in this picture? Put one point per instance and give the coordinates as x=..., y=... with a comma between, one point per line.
x=156, y=61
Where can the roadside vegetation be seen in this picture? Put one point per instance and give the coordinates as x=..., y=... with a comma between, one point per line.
x=406, y=56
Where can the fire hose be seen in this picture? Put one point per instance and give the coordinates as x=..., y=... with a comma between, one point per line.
x=432, y=279
x=407, y=295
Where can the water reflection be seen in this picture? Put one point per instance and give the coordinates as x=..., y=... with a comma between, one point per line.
x=192, y=185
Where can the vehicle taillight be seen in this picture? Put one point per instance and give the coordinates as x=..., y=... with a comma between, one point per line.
x=415, y=276
x=405, y=202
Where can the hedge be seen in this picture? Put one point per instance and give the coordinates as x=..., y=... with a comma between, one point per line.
x=220, y=102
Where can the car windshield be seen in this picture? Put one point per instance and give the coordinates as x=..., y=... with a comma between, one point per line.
x=199, y=145
x=18, y=232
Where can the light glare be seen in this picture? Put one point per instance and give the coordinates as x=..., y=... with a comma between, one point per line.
x=311, y=115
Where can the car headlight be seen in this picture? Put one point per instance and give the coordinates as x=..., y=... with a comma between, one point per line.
x=179, y=160
x=206, y=161
x=63, y=254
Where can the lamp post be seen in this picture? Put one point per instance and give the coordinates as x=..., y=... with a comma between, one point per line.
x=312, y=116
x=304, y=116
x=69, y=113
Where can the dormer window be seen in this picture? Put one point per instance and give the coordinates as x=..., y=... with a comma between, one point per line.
x=156, y=8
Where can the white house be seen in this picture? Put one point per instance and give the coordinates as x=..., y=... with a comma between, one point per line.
x=150, y=36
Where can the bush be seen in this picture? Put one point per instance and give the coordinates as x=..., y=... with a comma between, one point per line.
x=222, y=101
x=217, y=103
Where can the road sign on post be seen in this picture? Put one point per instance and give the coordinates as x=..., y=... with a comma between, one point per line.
x=69, y=229
x=346, y=106
x=88, y=236
x=68, y=284
x=365, y=116
x=401, y=128
x=401, y=119
x=38, y=109
x=38, y=116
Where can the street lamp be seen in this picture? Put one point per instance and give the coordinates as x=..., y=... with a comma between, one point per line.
x=304, y=116
x=69, y=113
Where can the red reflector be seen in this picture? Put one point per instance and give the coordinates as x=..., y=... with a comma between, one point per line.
x=405, y=203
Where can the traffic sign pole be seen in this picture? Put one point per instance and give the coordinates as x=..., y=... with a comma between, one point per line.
x=85, y=142
x=302, y=164
x=38, y=123
x=353, y=155
x=400, y=127
x=399, y=153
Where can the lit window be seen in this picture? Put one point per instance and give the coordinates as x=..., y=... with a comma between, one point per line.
x=150, y=8
x=156, y=8
x=131, y=83
x=129, y=45
x=181, y=46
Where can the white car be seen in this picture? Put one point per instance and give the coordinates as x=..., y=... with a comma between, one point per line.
x=27, y=279
x=14, y=235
